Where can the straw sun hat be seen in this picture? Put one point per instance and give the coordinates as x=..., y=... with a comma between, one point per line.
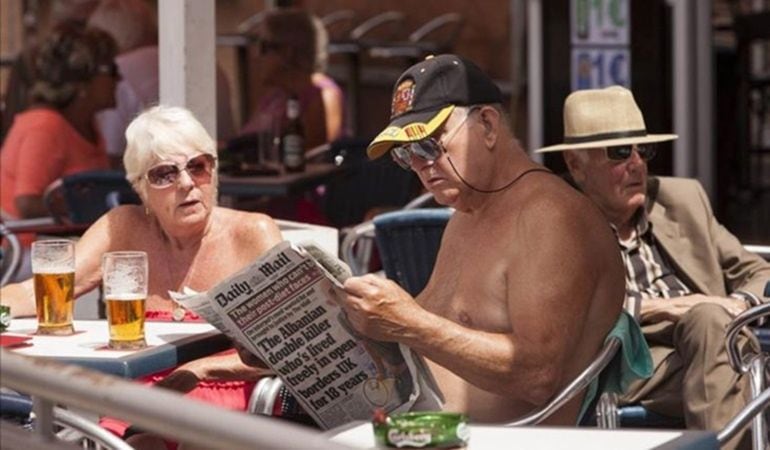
x=602, y=118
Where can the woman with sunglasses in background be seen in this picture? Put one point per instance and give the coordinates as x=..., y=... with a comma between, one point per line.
x=190, y=242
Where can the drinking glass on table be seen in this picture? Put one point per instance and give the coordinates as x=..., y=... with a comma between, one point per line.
x=53, y=268
x=124, y=278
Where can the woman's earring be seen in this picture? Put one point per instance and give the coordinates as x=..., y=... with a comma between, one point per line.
x=146, y=211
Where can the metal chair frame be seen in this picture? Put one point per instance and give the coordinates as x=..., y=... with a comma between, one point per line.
x=11, y=255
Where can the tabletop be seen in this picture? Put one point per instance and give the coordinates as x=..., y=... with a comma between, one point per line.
x=279, y=185
x=169, y=344
x=484, y=437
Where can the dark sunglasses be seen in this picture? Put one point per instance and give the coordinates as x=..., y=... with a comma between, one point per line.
x=428, y=149
x=110, y=69
x=623, y=152
x=165, y=174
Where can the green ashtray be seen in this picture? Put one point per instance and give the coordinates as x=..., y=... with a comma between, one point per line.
x=5, y=317
x=422, y=429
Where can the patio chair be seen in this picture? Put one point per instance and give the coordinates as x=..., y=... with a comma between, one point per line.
x=434, y=37
x=408, y=242
x=82, y=197
x=70, y=427
x=10, y=254
x=754, y=366
x=357, y=244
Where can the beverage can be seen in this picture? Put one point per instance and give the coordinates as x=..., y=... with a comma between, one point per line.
x=422, y=429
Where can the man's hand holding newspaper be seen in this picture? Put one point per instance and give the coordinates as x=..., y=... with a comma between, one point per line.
x=283, y=309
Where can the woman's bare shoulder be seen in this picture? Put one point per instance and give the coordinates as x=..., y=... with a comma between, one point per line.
x=122, y=219
x=250, y=226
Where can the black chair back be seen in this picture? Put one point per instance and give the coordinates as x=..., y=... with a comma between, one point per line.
x=85, y=194
x=408, y=242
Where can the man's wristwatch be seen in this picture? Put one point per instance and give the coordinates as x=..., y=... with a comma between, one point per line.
x=751, y=301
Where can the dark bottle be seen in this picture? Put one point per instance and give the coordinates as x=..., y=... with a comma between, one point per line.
x=293, y=139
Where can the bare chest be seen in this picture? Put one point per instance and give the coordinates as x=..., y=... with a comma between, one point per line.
x=200, y=270
x=468, y=285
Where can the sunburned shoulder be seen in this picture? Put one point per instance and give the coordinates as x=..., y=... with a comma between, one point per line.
x=248, y=225
x=554, y=203
x=127, y=217
x=120, y=225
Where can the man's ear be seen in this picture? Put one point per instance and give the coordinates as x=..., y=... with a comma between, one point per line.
x=575, y=165
x=490, y=119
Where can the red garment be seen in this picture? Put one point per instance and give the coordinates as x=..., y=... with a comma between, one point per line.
x=40, y=148
x=226, y=394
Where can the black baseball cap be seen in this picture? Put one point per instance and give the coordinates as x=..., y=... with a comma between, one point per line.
x=427, y=93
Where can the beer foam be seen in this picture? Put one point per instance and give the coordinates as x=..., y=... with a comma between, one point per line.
x=52, y=269
x=124, y=297
x=128, y=282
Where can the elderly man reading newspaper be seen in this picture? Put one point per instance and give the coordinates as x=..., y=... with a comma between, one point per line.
x=528, y=281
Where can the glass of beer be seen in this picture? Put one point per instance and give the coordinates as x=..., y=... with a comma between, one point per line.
x=53, y=266
x=124, y=276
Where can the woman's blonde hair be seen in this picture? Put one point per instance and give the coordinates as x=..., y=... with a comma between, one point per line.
x=159, y=133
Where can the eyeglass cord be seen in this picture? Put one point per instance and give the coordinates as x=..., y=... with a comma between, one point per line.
x=492, y=191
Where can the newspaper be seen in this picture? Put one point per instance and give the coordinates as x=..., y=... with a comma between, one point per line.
x=283, y=308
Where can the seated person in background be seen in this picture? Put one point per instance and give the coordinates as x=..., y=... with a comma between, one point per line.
x=19, y=75
x=171, y=162
x=287, y=61
x=684, y=271
x=74, y=77
x=331, y=93
x=132, y=24
x=528, y=281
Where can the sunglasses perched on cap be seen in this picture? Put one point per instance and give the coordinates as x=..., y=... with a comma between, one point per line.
x=165, y=174
x=623, y=152
x=428, y=149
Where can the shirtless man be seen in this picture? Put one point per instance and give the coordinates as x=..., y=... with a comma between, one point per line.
x=527, y=282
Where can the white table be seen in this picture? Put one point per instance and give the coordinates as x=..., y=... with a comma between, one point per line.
x=483, y=437
x=169, y=344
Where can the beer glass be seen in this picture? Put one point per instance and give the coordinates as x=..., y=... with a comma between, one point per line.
x=124, y=276
x=53, y=267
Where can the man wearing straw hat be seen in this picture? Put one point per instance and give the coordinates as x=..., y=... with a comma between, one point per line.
x=528, y=281
x=686, y=275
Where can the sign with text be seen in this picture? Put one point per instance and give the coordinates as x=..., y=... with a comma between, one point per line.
x=599, y=67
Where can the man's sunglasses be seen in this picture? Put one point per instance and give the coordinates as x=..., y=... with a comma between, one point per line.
x=623, y=152
x=428, y=149
x=165, y=174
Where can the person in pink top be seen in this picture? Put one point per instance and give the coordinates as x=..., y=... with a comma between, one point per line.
x=288, y=44
x=74, y=77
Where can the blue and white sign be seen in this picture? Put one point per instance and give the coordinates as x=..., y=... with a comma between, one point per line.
x=594, y=68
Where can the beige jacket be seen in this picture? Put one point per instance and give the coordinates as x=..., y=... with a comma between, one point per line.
x=704, y=254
